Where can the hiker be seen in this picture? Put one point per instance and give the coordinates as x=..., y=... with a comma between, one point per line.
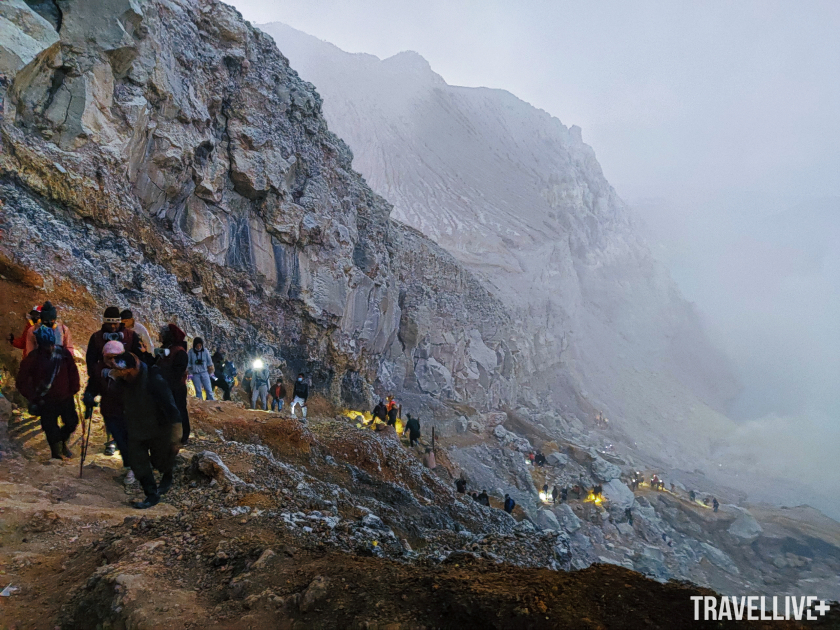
x=509, y=504
x=692, y=496
x=129, y=323
x=564, y=494
x=33, y=319
x=461, y=485
x=393, y=410
x=48, y=378
x=49, y=315
x=628, y=512
x=110, y=331
x=102, y=384
x=380, y=412
x=259, y=385
x=278, y=395
x=200, y=367
x=247, y=380
x=715, y=504
x=413, y=428
x=154, y=425
x=223, y=374
x=429, y=459
x=172, y=361
x=597, y=490
x=531, y=458
x=545, y=488
x=539, y=459
x=300, y=393
x=484, y=498
x=474, y=496
x=555, y=492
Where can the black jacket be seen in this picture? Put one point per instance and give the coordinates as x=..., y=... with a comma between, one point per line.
x=413, y=426
x=301, y=390
x=509, y=505
x=148, y=405
x=380, y=412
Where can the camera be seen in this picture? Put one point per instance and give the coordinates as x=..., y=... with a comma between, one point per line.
x=199, y=361
x=112, y=336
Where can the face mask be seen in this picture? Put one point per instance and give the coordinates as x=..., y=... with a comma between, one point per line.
x=300, y=380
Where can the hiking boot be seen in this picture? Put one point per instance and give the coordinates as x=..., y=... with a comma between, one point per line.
x=55, y=451
x=165, y=483
x=151, y=500
x=65, y=450
x=110, y=448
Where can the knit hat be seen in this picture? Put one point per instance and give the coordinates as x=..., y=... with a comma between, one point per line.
x=48, y=312
x=113, y=347
x=126, y=314
x=45, y=336
x=173, y=335
x=112, y=315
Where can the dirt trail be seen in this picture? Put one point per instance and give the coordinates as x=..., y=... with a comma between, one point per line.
x=84, y=559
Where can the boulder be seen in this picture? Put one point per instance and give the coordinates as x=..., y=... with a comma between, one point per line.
x=745, y=528
x=618, y=494
x=557, y=459
x=500, y=432
x=546, y=519
x=604, y=470
x=567, y=518
x=461, y=425
x=719, y=558
x=209, y=464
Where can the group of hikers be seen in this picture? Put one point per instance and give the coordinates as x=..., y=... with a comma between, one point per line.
x=139, y=384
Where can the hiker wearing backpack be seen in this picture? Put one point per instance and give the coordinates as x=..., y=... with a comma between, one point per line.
x=49, y=379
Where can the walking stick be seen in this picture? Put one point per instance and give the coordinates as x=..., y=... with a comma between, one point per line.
x=85, y=439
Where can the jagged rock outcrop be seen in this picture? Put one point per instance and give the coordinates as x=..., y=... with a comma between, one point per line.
x=163, y=155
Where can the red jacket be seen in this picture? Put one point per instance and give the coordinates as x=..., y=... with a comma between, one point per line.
x=37, y=369
x=20, y=342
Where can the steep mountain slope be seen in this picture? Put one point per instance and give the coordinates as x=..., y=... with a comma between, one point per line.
x=165, y=155
x=521, y=201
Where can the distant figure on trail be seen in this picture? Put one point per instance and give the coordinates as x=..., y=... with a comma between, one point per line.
x=413, y=428
x=715, y=504
x=474, y=496
x=429, y=459
x=394, y=411
x=555, y=493
x=154, y=426
x=692, y=496
x=628, y=513
x=509, y=504
x=260, y=380
x=484, y=498
x=129, y=323
x=172, y=361
x=461, y=485
x=545, y=488
x=33, y=320
x=597, y=490
x=49, y=379
x=200, y=367
x=380, y=412
x=564, y=494
x=49, y=315
x=539, y=459
x=223, y=375
x=300, y=393
x=278, y=395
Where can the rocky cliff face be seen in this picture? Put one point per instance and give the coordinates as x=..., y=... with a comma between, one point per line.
x=521, y=201
x=163, y=154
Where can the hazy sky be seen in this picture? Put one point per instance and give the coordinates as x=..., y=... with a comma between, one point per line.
x=677, y=98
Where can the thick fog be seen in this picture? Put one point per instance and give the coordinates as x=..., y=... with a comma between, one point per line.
x=718, y=123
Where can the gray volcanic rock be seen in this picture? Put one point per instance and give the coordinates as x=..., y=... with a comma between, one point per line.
x=521, y=200
x=172, y=159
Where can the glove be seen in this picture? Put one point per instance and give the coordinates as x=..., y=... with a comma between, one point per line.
x=89, y=400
